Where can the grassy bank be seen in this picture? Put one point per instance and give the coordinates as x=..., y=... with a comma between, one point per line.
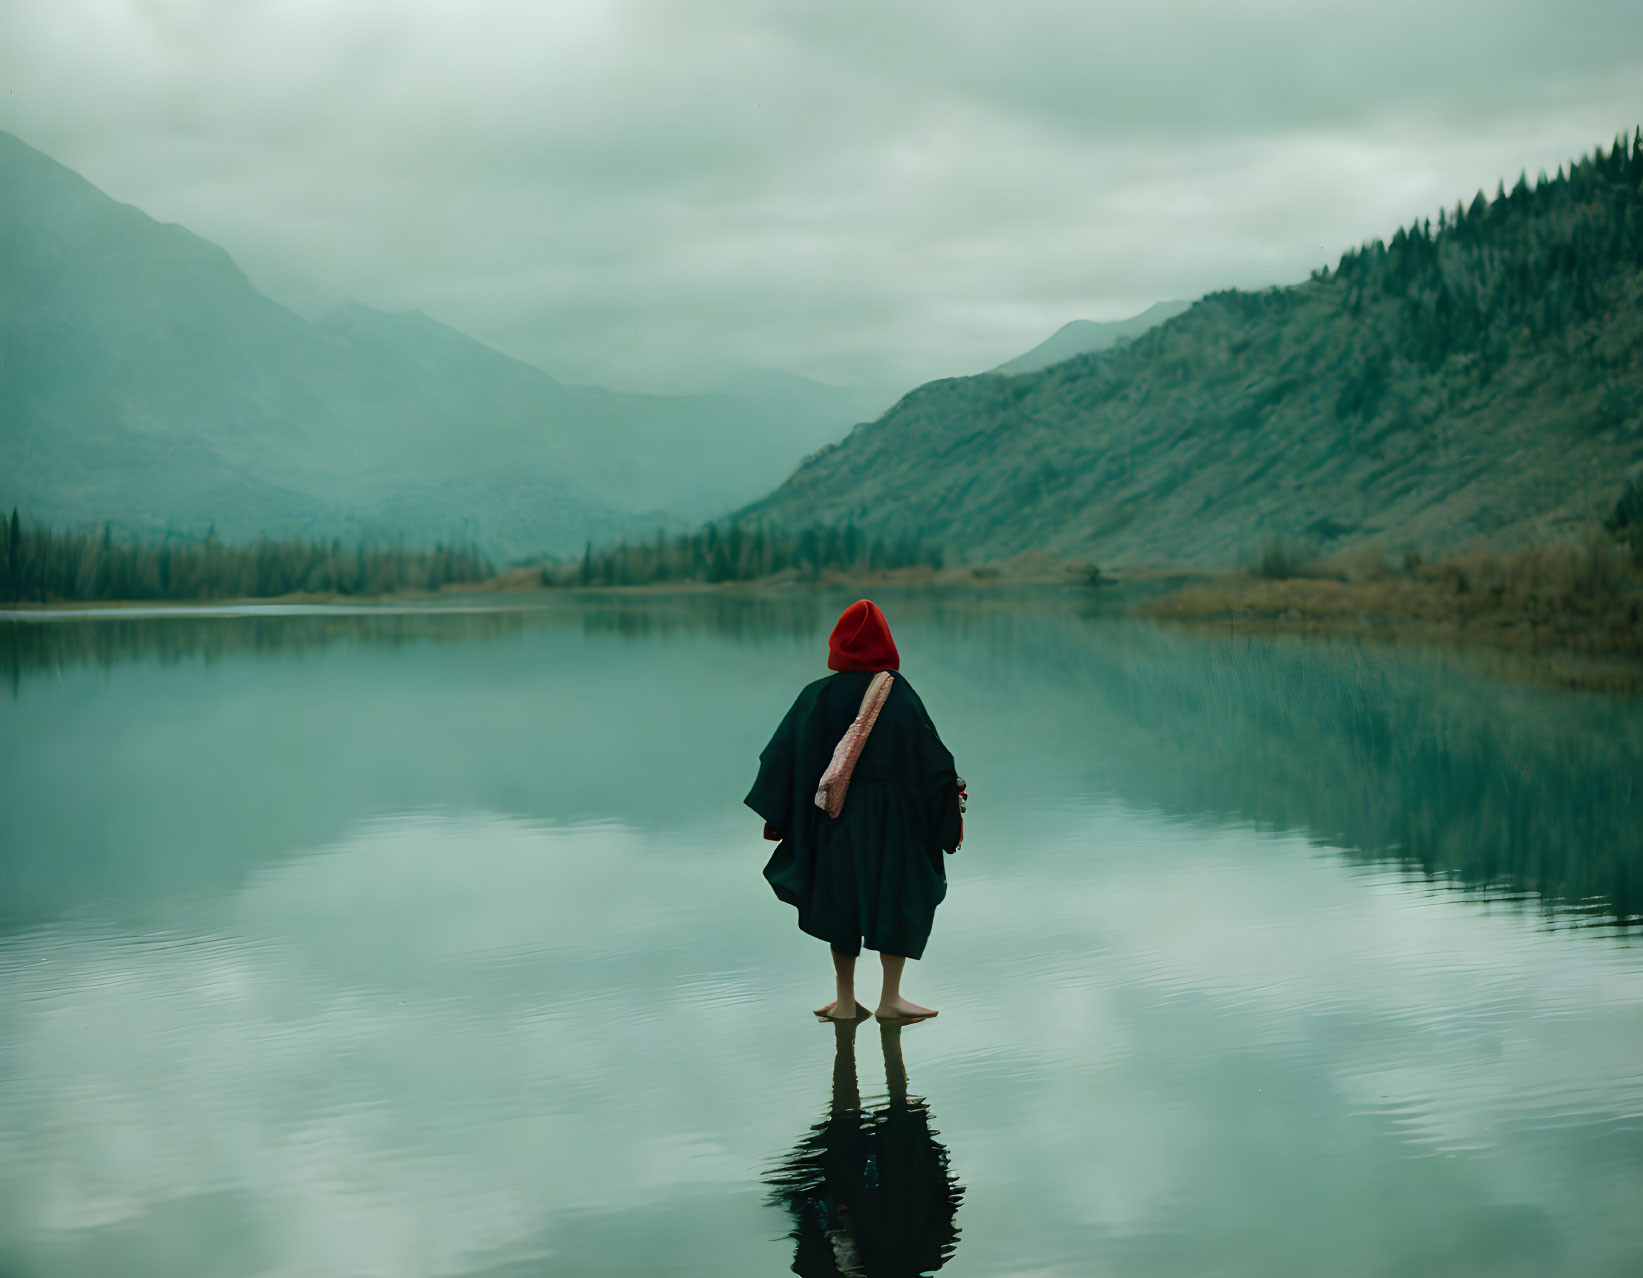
x=1584, y=600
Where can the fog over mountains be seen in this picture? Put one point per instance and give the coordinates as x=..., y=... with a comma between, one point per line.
x=145, y=382
x=1085, y=337
x=1479, y=374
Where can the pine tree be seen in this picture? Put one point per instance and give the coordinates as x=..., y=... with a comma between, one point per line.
x=14, y=552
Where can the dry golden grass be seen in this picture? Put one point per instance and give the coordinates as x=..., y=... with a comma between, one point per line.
x=1576, y=599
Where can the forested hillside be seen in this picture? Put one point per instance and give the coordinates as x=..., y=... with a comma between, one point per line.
x=1480, y=374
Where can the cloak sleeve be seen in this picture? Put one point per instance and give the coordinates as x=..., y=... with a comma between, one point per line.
x=949, y=821
x=939, y=783
x=772, y=793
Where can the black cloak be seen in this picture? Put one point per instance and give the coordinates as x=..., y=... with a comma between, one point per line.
x=874, y=874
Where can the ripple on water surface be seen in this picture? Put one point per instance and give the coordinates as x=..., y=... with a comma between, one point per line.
x=444, y=957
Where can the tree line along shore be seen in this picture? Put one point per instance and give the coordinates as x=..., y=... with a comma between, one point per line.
x=737, y=553
x=1583, y=597
x=41, y=565
x=44, y=565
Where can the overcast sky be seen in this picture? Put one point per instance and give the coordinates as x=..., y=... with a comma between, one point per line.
x=872, y=192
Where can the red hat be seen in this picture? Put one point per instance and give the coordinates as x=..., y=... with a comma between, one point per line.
x=861, y=640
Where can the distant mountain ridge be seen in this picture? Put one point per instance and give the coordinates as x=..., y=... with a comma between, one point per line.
x=1482, y=377
x=145, y=382
x=1085, y=337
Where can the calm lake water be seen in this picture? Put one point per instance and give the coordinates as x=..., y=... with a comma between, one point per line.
x=436, y=945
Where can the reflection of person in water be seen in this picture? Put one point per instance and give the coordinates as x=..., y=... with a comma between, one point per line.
x=870, y=1193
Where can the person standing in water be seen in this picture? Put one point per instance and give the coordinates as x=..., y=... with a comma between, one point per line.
x=873, y=874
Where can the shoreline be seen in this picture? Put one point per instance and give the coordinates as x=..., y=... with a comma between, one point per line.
x=525, y=584
x=1571, y=633
x=1517, y=640
x=1591, y=639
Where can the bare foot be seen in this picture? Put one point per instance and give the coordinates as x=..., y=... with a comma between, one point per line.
x=903, y=1010
x=831, y=1012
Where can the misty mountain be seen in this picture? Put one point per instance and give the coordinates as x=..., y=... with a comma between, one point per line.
x=811, y=405
x=145, y=382
x=1084, y=337
x=1477, y=378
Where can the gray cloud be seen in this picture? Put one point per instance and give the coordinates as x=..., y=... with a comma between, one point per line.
x=643, y=192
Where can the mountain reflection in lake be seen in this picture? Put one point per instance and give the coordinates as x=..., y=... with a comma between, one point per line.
x=1386, y=756
x=437, y=944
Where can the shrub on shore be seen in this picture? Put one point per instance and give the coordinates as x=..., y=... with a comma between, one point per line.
x=1627, y=520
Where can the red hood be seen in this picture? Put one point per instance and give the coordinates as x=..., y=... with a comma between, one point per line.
x=861, y=640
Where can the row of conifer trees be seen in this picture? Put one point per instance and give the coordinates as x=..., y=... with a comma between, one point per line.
x=1541, y=257
x=739, y=553
x=40, y=564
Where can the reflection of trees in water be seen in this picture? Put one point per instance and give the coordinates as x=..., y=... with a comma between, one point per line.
x=869, y=1191
x=740, y=617
x=1395, y=756
x=803, y=616
x=37, y=647
x=41, y=647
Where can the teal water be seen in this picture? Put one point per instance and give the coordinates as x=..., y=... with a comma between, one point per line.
x=437, y=945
